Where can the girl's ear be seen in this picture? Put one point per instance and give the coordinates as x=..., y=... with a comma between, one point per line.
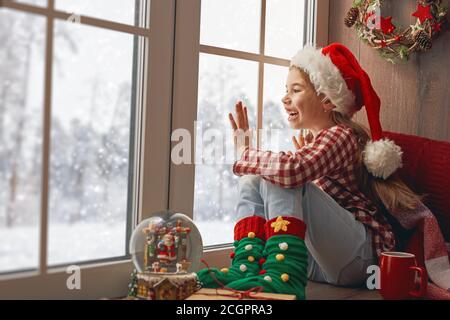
x=327, y=104
x=323, y=98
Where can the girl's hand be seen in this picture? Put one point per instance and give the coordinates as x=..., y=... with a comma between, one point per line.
x=302, y=141
x=242, y=134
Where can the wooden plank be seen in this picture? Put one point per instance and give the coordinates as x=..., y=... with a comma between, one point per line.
x=338, y=32
x=366, y=295
x=395, y=84
x=434, y=90
x=323, y=291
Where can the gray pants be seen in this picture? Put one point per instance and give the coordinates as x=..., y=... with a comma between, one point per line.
x=340, y=247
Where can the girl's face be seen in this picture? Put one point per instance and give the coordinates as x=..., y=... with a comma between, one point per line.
x=304, y=108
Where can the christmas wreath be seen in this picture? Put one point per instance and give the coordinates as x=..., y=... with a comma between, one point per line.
x=393, y=44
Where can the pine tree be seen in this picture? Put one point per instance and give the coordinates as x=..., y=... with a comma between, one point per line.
x=132, y=287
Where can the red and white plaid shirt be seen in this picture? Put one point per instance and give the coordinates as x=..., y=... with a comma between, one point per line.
x=328, y=162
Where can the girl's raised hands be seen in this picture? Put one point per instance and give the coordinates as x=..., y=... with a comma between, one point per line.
x=301, y=141
x=242, y=134
x=241, y=116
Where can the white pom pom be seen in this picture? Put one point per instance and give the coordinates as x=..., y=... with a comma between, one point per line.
x=243, y=267
x=283, y=246
x=248, y=247
x=382, y=157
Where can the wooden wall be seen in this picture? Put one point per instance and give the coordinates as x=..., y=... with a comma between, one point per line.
x=415, y=95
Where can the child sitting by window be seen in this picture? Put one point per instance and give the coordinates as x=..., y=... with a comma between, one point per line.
x=317, y=213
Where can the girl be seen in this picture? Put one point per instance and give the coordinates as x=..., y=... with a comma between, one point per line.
x=318, y=213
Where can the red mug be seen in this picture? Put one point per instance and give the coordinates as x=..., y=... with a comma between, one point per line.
x=398, y=276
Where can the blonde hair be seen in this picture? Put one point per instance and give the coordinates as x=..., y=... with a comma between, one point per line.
x=392, y=193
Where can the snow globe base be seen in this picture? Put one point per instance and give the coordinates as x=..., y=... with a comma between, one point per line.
x=164, y=286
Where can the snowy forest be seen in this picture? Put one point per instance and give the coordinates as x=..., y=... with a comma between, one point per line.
x=91, y=127
x=90, y=139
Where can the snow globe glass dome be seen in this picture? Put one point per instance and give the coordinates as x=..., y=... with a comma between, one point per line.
x=168, y=242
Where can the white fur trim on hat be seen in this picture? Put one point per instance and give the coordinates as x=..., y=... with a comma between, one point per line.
x=326, y=78
x=382, y=157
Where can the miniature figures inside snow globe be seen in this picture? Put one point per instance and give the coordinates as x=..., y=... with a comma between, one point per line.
x=166, y=250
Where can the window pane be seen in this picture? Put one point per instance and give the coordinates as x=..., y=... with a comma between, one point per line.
x=42, y=3
x=284, y=27
x=222, y=82
x=277, y=133
x=123, y=11
x=231, y=24
x=21, y=105
x=92, y=88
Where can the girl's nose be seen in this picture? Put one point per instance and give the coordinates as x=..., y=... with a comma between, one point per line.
x=285, y=99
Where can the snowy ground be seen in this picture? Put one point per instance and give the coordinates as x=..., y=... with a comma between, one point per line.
x=67, y=243
x=19, y=246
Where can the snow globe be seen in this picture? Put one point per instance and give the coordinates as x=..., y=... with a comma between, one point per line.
x=166, y=250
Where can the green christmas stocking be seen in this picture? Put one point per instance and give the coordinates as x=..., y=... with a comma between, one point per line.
x=285, y=270
x=249, y=244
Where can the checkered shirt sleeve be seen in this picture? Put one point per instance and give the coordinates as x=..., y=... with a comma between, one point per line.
x=333, y=149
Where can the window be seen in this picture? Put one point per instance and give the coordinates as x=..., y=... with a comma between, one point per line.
x=90, y=92
x=243, y=53
x=90, y=147
x=75, y=129
x=41, y=3
x=122, y=11
x=246, y=27
x=22, y=66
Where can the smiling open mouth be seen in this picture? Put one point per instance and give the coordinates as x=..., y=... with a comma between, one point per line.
x=293, y=115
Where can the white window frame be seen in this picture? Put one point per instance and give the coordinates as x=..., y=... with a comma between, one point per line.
x=188, y=49
x=151, y=185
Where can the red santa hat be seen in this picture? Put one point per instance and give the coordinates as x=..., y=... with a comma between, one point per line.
x=335, y=72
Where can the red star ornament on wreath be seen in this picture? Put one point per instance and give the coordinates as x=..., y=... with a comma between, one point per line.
x=423, y=13
x=437, y=27
x=386, y=25
x=392, y=42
